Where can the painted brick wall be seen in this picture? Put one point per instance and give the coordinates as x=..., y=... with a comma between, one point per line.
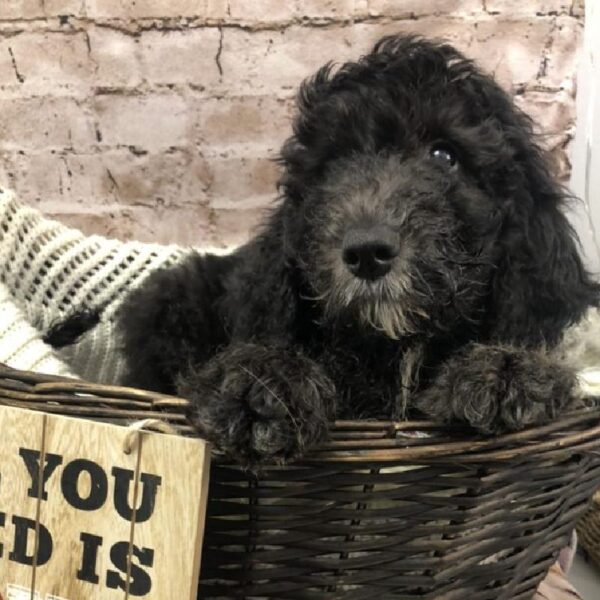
x=158, y=119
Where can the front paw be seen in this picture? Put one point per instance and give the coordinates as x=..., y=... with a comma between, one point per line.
x=258, y=404
x=499, y=388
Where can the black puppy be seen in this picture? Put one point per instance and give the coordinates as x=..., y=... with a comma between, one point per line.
x=418, y=258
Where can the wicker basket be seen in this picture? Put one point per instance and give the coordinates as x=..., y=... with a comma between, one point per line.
x=384, y=510
x=588, y=529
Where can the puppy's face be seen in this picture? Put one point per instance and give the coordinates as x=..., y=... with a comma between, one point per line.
x=398, y=171
x=402, y=241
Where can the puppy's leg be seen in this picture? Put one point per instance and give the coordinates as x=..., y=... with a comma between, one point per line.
x=499, y=388
x=173, y=320
x=258, y=403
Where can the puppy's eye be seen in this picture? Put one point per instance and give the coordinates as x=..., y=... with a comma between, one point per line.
x=443, y=153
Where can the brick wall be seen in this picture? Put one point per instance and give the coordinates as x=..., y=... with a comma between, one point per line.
x=158, y=119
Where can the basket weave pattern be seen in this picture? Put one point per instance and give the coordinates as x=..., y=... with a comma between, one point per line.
x=384, y=510
x=588, y=529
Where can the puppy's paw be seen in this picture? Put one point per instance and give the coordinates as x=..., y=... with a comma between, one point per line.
x=499, y=388
x=259, y=404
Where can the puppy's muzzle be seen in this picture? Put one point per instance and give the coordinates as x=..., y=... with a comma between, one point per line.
x=369, y=252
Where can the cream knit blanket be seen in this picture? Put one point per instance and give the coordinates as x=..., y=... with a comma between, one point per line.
x=49, y=271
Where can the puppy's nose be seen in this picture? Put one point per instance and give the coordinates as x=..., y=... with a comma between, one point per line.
x=369, y=252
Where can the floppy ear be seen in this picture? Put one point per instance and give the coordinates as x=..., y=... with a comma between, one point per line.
x=540, y=285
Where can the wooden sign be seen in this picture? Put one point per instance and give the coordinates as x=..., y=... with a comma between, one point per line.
x=92, y=510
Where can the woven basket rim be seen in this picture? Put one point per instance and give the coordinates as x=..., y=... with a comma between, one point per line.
x=360, y=441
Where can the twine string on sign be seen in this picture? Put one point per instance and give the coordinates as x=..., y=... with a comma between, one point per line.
x=156, y=425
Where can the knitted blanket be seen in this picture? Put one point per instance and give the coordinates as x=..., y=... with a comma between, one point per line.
x=47, y=272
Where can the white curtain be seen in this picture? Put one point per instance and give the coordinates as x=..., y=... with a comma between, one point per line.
x=585, y=176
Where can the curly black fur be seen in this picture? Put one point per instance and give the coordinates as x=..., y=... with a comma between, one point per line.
x=485, y=275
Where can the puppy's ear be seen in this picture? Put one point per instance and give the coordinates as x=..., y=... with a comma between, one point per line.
x=541, y=285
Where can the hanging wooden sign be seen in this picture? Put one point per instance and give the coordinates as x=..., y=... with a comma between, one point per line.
x=92, y=510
